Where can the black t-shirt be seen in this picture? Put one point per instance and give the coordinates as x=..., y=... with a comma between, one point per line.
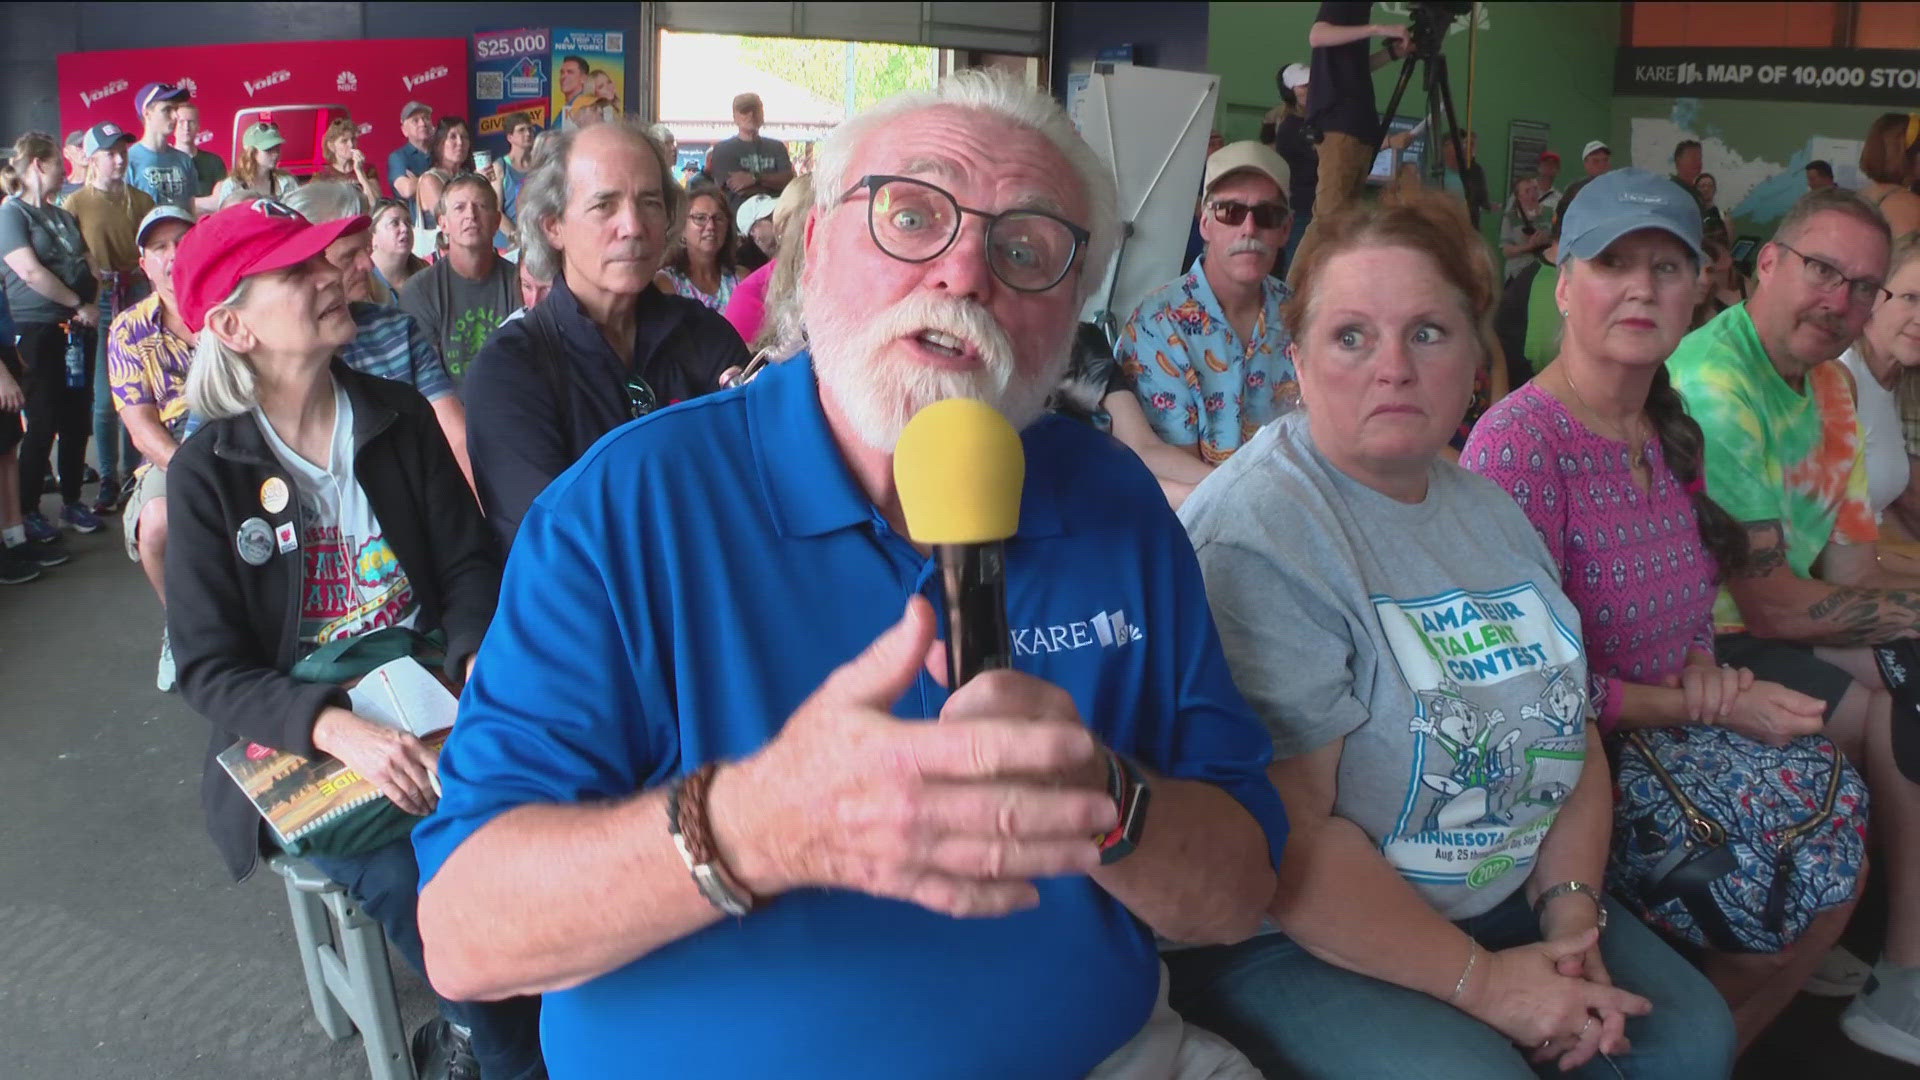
x=1092, y=374
x=1342, y=98
x=1303, y=162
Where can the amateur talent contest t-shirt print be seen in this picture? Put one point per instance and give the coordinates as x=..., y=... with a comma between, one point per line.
x=1498, y=727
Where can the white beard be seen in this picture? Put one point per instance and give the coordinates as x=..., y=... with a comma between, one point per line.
x=878, y=398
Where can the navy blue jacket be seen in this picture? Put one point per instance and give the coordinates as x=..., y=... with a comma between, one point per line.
x=530, y=416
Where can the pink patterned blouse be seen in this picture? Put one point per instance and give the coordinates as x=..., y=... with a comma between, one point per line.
x=1630, y=560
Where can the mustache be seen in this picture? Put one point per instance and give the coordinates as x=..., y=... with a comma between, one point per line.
x=1253, y=244
x=966, y=320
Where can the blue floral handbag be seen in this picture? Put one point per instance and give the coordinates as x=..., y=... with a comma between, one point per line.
x=1728, y=843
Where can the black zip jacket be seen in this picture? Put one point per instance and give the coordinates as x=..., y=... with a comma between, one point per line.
x=234, y=627
x=531, y=413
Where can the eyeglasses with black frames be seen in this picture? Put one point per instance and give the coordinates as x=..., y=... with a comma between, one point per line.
x=1823, y=275
x=915, y=222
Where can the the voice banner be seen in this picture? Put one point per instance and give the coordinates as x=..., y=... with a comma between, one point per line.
x=298, y=85
x=1885, y=77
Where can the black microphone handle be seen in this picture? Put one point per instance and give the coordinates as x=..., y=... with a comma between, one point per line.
x=975, y=579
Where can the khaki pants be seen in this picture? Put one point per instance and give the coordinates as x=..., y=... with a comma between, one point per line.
x=1344, y=163
x=152, y=485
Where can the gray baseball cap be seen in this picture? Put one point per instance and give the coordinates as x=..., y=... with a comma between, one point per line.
x=412, y=107
x=163, y=212
x=1628, y=200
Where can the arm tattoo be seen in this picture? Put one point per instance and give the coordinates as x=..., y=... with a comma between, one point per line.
x=1856, y=616
x=1767, y=549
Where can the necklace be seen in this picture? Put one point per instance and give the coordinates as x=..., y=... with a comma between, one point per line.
x=1630, y=437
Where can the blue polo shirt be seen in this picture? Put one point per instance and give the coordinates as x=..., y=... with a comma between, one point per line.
x=681, y=589
x=408, y=158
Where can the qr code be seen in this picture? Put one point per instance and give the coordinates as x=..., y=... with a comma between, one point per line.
x=616, y=42
x=490, y=85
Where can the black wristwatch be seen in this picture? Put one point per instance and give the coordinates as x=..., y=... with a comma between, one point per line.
x=1127, y=783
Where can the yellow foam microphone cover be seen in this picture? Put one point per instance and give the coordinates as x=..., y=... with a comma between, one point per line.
x=959, y=468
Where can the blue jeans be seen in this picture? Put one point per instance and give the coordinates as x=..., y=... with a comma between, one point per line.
x=386, y=883
x=1301, y=219
x=110, y=439
x=1298, y=1016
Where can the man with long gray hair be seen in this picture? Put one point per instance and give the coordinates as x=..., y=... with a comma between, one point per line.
x=605, y=346
x=712, y=654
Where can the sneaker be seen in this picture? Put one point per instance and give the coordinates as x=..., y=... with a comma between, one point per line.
x=39, y=528
x=15, y=570
x=109, y=498
x=1885, y=1018
x=163, y=678
x=77, y=517
x=1840, y=975
x=441, y=1051
x=40, y=552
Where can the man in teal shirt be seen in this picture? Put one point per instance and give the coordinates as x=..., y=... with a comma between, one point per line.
x=1208, y=353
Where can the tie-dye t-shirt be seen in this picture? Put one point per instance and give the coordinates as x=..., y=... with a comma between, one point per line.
x=1775, y=453
x=1197, y=381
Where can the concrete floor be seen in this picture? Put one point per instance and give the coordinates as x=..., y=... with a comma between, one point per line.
x=125, y=951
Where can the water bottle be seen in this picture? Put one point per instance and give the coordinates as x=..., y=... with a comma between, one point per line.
x=76, y=358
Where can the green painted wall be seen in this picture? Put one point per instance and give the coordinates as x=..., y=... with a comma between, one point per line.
x=1757, y=151
x=1550, y=62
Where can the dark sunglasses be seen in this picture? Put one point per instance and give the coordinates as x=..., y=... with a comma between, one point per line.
x=641, y=399
x=1265, y=215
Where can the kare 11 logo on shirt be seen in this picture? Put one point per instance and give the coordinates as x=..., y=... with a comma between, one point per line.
x=1106, y=629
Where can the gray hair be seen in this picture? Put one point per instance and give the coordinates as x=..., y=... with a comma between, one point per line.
x=326, y=200
x=783, y=331
x=543, y=195
x=998, y=94
x=1837, y=200
x=221, y=382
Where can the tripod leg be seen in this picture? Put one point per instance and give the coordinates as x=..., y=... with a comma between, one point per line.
x=1443, y=97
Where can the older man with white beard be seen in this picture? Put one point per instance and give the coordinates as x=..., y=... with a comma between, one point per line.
x=1208, y=352
x=708, y=687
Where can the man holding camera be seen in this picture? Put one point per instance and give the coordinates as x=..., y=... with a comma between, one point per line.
x=1341, y=107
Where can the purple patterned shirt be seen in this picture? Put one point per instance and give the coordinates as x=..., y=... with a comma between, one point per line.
x=1631, y=560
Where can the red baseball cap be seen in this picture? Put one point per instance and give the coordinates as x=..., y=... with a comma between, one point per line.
x=254, y=237
x=1545, y=154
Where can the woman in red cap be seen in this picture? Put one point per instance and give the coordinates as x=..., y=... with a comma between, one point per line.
x=318, y=504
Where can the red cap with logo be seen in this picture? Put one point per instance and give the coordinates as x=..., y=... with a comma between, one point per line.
x=255, y=237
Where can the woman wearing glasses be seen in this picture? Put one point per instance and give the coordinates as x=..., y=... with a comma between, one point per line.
x=316, y=505
x=256, y=172
x=703, y=266
x=605, y=346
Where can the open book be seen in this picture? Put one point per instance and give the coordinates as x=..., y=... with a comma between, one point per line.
x=298, y=795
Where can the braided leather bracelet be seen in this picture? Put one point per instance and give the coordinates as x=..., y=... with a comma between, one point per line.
x=693, y=836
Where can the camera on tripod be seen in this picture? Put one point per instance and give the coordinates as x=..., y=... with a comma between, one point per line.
x=1430, y=20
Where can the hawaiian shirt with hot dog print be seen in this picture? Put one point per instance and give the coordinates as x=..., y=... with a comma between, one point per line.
x=1197, y=381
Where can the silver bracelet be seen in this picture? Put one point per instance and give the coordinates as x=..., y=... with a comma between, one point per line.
x=1473, y=957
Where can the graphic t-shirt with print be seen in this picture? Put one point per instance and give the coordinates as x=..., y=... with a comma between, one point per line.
x=166, y=174
x=1775, y=453
x=1432, y=637
x=461, y=314
x=1196, y=380
x=350, y=581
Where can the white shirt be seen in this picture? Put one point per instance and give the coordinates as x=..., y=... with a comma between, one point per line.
x=350, y=580
x=1887, y=464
